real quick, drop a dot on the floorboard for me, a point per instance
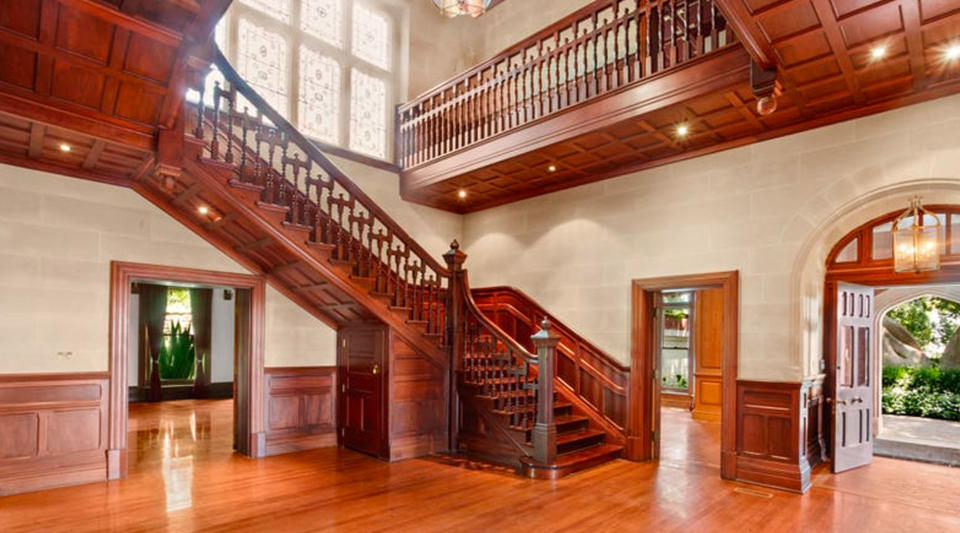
(183, 477)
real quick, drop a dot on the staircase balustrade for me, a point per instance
(268, 154)
(600, 48)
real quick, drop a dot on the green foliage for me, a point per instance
(925, 392)
(676, 312)
(679, 381)
(931, 321)
(177, 355)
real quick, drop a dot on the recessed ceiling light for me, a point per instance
(877, 52)
(64, 147)
(683, 130)
(203, 209)
(953, 52)
(462, 193)
(552, 168)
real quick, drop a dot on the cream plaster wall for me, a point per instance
(57, 238)
(770, 210)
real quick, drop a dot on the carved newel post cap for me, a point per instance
(454, 256)
(546, 333)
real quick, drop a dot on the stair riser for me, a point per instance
(580, 444)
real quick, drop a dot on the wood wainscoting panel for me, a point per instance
(301, 408)
(779, 438)
(417, 402)
(53, 430)
(708, 354)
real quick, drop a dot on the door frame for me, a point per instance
(642, 415)
(249, 395)
(870, 277)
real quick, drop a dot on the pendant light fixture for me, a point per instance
(916, 247)
(453, 8)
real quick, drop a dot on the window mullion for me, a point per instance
(293, 68)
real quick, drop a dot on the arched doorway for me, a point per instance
(864, 257)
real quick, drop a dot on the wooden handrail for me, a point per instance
(602, 47)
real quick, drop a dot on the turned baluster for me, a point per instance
(201, 111)
(215, 141)
(230, 99)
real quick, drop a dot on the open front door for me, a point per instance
(853, 390)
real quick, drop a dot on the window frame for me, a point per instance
(296, 38)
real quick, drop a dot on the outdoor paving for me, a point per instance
(922, 439)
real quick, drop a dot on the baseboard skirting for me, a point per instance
(220, 390)
(774, 474)
(299, 443)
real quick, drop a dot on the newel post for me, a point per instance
(453, 337)
(545, 429)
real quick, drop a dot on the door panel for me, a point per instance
(853, 393)
(708, 354)
(361, 364)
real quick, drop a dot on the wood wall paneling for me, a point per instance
(301, 408)
(779, 432)
(53, 430)
(708, 354)
(418, 402)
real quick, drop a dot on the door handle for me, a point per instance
(376, 369)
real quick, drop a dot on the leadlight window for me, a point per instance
(319, 96)
(367, 123)
(323, 19)
(262, 61)
(278, 9)
(326, 65)
(371, 36)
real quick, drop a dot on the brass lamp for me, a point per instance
(916, 248)
(453, 8)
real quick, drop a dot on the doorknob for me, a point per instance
(376, 369)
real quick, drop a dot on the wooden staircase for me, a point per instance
(267, 196)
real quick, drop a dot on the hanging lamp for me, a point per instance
(453, 8)
(916, 248)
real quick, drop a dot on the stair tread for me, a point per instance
(585, 454)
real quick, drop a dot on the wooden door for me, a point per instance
(362, 416)
(853, 390)
(707, 367)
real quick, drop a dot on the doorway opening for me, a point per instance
(186, 368)
(890, 382)
(690, 374)
(918, 360)
(685, 347)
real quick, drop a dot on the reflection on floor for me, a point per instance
(688, 443)
(921, 439)
(333, 489)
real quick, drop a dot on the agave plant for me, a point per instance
(178, 356)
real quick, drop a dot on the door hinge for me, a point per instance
(343, 387)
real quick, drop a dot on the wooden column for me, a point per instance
(545, 429)
(453, 337)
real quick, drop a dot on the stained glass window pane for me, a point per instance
(371, 33)
(262, 62)
(368, 111)
(323, 19)
(278, 9)
(319, 96)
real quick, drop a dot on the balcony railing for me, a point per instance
(599, 49)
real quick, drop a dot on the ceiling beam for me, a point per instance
(834, 35)
(93, 155)
(910, 11)
(37, 133)
(126, 20)
(748, 31)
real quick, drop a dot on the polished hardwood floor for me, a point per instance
(183, 477)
